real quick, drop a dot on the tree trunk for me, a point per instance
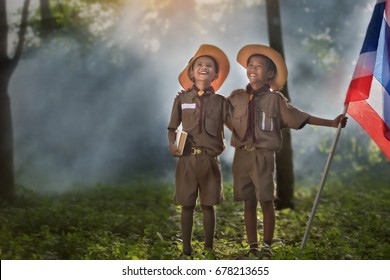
(47, 20)
(284, 158)
(7, 183)
(7, 67)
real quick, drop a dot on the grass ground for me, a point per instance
(139, 221)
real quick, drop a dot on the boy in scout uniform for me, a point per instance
(201, 112)
(256, 116)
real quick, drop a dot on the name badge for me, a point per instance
(188, 106)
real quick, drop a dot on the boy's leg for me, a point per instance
(208, 226)
(250, 218)
(268, 221)
(187, 217)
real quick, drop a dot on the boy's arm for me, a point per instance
(327, 122)
(171, 142)
(227, 115)
(173, 125)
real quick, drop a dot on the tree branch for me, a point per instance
(21, 35)
(3, 30)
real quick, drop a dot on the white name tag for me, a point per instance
(188, 106)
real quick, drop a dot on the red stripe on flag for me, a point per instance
(372, 123)
(359, 89)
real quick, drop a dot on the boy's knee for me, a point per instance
(267, 204)
(188, 208)
(207, 208)
(251, 203)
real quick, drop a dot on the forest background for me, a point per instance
(90, 105)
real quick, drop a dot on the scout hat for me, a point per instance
(281, 69)
(218, 55)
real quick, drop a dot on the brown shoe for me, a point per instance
(266, 252)
(254, 253)
(186, 255)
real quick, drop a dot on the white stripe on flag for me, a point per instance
(379, 100)
(365, 65)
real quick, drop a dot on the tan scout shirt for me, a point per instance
(272, 112)
(202, 117)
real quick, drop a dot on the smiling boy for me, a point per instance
(201, 112)
(256, 116)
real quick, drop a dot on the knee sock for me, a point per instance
(208, 226)
(268, 221)
(187, 217)
(250, 217)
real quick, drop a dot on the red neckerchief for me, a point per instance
(250, 130)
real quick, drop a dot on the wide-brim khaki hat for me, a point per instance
(281, 69)
(219, 56)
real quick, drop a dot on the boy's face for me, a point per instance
(257, 71)
(203, 69)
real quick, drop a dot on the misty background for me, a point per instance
(92, 105)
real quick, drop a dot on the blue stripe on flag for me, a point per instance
(371, 40)
(386, 109)
(382, 67)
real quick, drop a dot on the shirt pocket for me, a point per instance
(189, 116)
(213, 124)
(265, 121)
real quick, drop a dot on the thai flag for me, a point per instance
(368, 96)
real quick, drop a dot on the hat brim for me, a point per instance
(219, 56)
(281, 69)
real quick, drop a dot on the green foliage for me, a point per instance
(356, 153)
(140, 221)
(323, 46)
(100, 223)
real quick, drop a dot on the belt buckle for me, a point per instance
(196, 151)
(248, 148)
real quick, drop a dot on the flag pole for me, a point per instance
(324, 175)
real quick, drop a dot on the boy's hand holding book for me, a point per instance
(181, 138)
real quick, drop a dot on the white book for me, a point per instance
(181, 137)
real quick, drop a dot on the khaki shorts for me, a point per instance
(198, 174)
(253, 174)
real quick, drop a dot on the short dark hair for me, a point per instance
(270, 64)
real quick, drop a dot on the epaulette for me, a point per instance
(281, 95)
(220, 95)
(183, 91)
(236, 91)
